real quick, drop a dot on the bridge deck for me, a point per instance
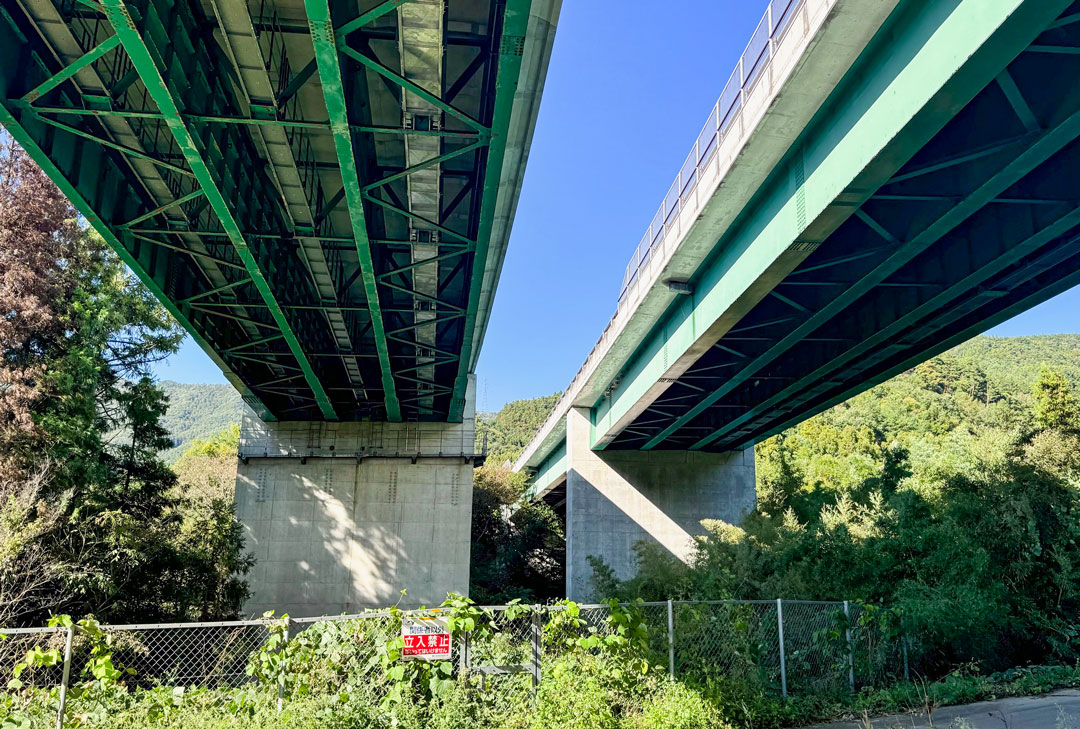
(318, 191)
(931, 197)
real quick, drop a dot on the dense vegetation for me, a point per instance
(597, 674)
(517, 546)
(508, 431)
(950, 495)
(92, 521)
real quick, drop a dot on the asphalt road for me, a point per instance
(1057, 710)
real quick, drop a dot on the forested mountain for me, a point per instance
(506, 432)
(197, 411)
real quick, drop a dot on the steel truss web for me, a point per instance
(309, 185)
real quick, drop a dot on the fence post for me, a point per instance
(851, 650)
(537, 646)
(780, 631)
(903, 644)
(284, 666)
(463, 656)
(671, 639)
(65, 677)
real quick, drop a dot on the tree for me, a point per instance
(81, 430)
(518, 545)
(1055, 406)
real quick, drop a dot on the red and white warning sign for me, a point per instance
(426, 638)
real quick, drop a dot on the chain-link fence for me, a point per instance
(777, 646)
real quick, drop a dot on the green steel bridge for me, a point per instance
(879, 181)
(320, 191)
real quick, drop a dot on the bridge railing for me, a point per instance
(771, 51)
(724, 120)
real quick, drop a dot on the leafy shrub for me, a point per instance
(677, 706)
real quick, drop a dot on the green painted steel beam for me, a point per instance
(420, 219)
(1064, 284)
(297, 82)
(1044, 147)
(113, 145)
(430, 162)
(550, 472)
(215, 290)
(515, 23)
(162, 208)
(14, 127)
(423, 261)
(367, 18)
(197, 254)
(143, 60)
(420, 90)
(72, 68)
(333, 86)
(937, 61)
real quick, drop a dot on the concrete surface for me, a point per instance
(615, 499)
(343, 516)
(1056, 710)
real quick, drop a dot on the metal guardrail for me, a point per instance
(752, 63)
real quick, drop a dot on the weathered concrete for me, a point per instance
(615, 499)
(342, 516)
(1059, 709)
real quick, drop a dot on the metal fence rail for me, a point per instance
(780, 646)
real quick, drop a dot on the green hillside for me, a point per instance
(198, 411)
(505, 433)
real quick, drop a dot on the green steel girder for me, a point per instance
(197, 254)
(1039, 294)
(214, 214)
(515, 22)
(254, 121)
(420, 91)
(71, 69)
(430, 162)
(877, 140)
(118, 147)
(367, 18)
(61, 158)
(142, 59)
(1048, 143)
(420, 219)
(329, 62)
(162, 208)
(1039, 151)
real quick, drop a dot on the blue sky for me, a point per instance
(627, 92)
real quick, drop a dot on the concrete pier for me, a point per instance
(343, 516)
(615, 499)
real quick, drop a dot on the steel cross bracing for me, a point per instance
(308, 186)
(981, 223)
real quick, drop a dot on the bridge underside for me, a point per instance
(975, 225)
(315, 188)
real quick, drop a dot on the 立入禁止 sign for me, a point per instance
(426, 638)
